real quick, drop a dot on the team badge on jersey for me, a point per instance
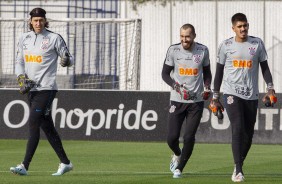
(252, 51)
(44, 44)
(172, 109)
(197, 58)
(230, 100)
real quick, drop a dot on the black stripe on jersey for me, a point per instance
(62, 39)
(200, 44)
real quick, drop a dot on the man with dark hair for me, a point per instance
(237, 69)
(187, 70)
(36, 68)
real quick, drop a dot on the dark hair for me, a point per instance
(38, 12)
(187, 26)
(238, 17)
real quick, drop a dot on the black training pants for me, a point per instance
(40, 117)
(177, 114)
(242, 115)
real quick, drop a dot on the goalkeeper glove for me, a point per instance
(270, 98)
(216, 107)
(25, 84)
(182, 90)
(65, 60)
(207, 92)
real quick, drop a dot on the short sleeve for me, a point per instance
(221, 56)
(262, 54)
(169, 57)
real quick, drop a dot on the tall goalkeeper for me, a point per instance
(36, 68)
(237, 69)
(187, 70)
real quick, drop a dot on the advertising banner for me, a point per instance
(125, 116)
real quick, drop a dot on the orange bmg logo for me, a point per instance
(188, 71)
(242, 63)
(33, 58)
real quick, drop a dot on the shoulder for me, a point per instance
(26, 37)
(174, 48)
(255, 40)
(225, 44)
(228, 42)
(54, 35)
(27, 34)
(200, 47)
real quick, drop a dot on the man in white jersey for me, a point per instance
(187, 70)
(237, 69)
(36, 68)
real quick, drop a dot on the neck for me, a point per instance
(237, 39)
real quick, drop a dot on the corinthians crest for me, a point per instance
(197, 58)
(252, 51)
(230, 100)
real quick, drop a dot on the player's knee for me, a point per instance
(189, 139)
(172, 139)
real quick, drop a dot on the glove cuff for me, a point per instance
(270, 86)
(207, 88)
(216, 94)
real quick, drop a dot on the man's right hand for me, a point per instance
(25, 84)
(181, 90)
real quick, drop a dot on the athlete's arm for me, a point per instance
(63, 51)
(20, 65)
(207, 75)
(218, 77)
(166, 74)
(266, 72)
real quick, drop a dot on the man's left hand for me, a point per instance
(65, 60)
(270, 98)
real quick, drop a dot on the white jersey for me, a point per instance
(37, 57)
(188, 70)
(241, 68)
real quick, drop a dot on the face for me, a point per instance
(241, 30)
(38, 24)
(187, 38)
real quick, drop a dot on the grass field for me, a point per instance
(138, 163)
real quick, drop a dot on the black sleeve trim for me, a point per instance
(207, 75)
(218, 76)
(266, 72)
(166, 74)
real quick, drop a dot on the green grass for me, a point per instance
(138, 163)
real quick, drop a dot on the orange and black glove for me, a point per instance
(216, 107)
(269, 98)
